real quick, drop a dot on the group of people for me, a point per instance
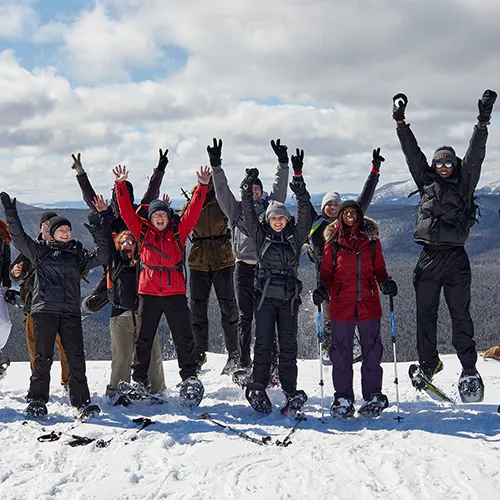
(249, 251)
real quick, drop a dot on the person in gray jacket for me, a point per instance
(243, 246)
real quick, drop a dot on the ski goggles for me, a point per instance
(445, 164)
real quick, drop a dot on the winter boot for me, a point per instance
(201, 359)
(231, 363)
(4, 364)
(259, 400)
(294, 403)
(88, 411)
(191, 392)
(242, 376)
(429, 372)
(374, 406)
(342, 408)
(36, 408)
(470, 386)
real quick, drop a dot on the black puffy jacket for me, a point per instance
(4, 263)
(58, 267)
(445, 212)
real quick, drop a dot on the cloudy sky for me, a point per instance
(118, 79)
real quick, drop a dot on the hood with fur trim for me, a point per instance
(371, 229)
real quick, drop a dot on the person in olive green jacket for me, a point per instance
(211, 262)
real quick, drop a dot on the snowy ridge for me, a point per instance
(436, 451)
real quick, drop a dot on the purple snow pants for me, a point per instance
(341, 357)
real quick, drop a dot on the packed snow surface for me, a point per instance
(436, 451)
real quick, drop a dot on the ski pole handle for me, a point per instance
(391, 303)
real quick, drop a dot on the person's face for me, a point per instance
(129, 245)
(349, 216)
(159, 220)
(444, 168)
(277, 223)
(331, 209)
(256, 192)
(45, 230)
(62, 234)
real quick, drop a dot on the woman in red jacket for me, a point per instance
(352, 266)
(162, 283)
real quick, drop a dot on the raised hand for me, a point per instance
(163, 161)
(99, 203)
(298, 162)
(251, 176)
(280, 150)
(7, 202)
(378, 159)
(166, 200)
(204, 175)
(485, 105)
(121, 173)
(17, 269)
(399, 102)
(215, 153)
(77, 164)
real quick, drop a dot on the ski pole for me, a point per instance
(321, 381)
(393, 336)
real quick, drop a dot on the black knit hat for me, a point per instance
(350, 204)
(56, 222)
(444, 153)
(158, 206)
(258, 182)
(47, 216)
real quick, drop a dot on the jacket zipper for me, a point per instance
(358, 280)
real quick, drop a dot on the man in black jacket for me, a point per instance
(446, 213)
(55, 308)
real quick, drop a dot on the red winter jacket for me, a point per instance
(351, 291)
(160, 282)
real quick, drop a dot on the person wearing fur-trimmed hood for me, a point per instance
(352, 267)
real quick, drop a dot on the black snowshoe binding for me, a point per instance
(242, 377)
(138, 392)
(36, 409)
(294, 403)
(259, 400)
(422, 381)
(375, 406)
(120, 400)
(87, 412)
(470, 386)
(342, 408)
(191, 392)
(4, 364)
(231, 363)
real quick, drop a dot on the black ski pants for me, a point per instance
(200, 284)
(448, 269)
(47, 326)
(176, 310)
(276, 313)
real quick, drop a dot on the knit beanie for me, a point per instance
(444, 153)
(56, 222)
(333, 197)
(277, 209)
(258, 182)
(47, 216)
(157, 206)
(350, 204)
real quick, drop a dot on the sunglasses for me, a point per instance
(446, 164)
(127, 242)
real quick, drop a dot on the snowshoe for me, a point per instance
(420, 381)
(295, 401)
(4, 364)
(259, 400)
(87, 412)
(36, 409)
(191, 392)
(342, 408)
(470, 386)
(374, 407)
(119, 400)
(138, 392)
(242, 377)
(231, 363)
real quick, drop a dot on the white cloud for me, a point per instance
(16, 19)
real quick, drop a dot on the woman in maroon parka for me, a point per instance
(352, 267)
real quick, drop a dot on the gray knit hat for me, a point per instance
(333, 196)
(444, 153)
(277, 209)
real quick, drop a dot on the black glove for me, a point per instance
(215, 152)
(250, 178)
(163, 161)
(7, 202)
(389, 287)
(377, 159)
(298, 186)
(320, 295)
(298, 162)
(399, 102)
(10, 296)
(485, 105)
(280, 151)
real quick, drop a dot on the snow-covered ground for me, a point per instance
(437, 451)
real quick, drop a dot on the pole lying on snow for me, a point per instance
(398, 417)
(320, 342)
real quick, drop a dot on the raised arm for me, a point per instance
(127, 212)
(280, 183)
(250, 217)
(371, 182)
(153, 189)
(101, 206)
(99, 256)
(5, 271)
(88, 192)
